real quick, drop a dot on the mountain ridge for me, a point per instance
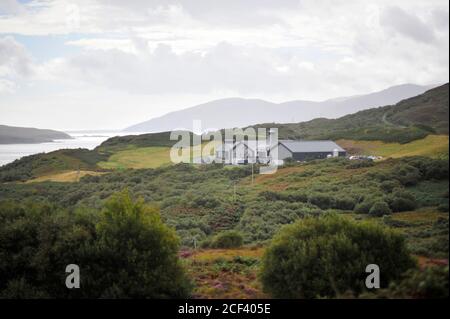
(405, 121)
(221, 113)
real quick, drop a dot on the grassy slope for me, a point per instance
(144, 157)
(64, 177)
(432, 146)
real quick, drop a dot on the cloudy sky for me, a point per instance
(102, 64)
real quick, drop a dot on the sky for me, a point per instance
(109, 64)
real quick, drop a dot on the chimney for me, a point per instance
(271, 141)
(228, 148)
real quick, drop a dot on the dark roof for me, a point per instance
(310, 146)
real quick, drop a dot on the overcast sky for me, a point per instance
(99, 64)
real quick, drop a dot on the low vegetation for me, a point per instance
(124, 251)
(324, 257)
(202, 230)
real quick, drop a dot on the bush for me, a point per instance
(227, 239)
(360, 164)
(430, 168)
(123, 252)
(406, 174)
(389, 185)
(430, 283)
(323, 257)
(401, 204)
(443, 207)
(323, 201)
(380, 209)
(344, 203)
(365, 206)
(402, 201)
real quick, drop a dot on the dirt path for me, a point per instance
(385, 121)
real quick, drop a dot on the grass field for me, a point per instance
(145, 157)
(64, 177)
(431, 146)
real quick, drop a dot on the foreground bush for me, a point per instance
(227, 239)
(324, 257)
(124, 251)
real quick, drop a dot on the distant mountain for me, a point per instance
(25, 135)
(408, 120)
(239, 112)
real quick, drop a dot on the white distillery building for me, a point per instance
(254, 151)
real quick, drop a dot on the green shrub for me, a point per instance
(365, 206)
(269, 195)
(406, 174)
(401, 201)
(323, 201)
(227, 239)
(443, 207)
(389, 185)
(380, 209)
(360, 164)
(430, 283)
(344, 203)
(323, 257)
(430, 168)
(401, 204)
(125, 251)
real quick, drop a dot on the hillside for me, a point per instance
(408, 120)
(416, 126)
(238, 112)
(25, 135)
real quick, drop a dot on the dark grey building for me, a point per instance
(308, 150)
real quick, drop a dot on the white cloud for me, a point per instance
(166, 50)
(407, 24)
(14, 58)
(125, 45)
(15, 64)
(7, 87)
(8, 7)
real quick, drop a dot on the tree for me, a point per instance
(138, 252)
(327, 256)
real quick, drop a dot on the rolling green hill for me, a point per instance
(37, 165)
(144, 140)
